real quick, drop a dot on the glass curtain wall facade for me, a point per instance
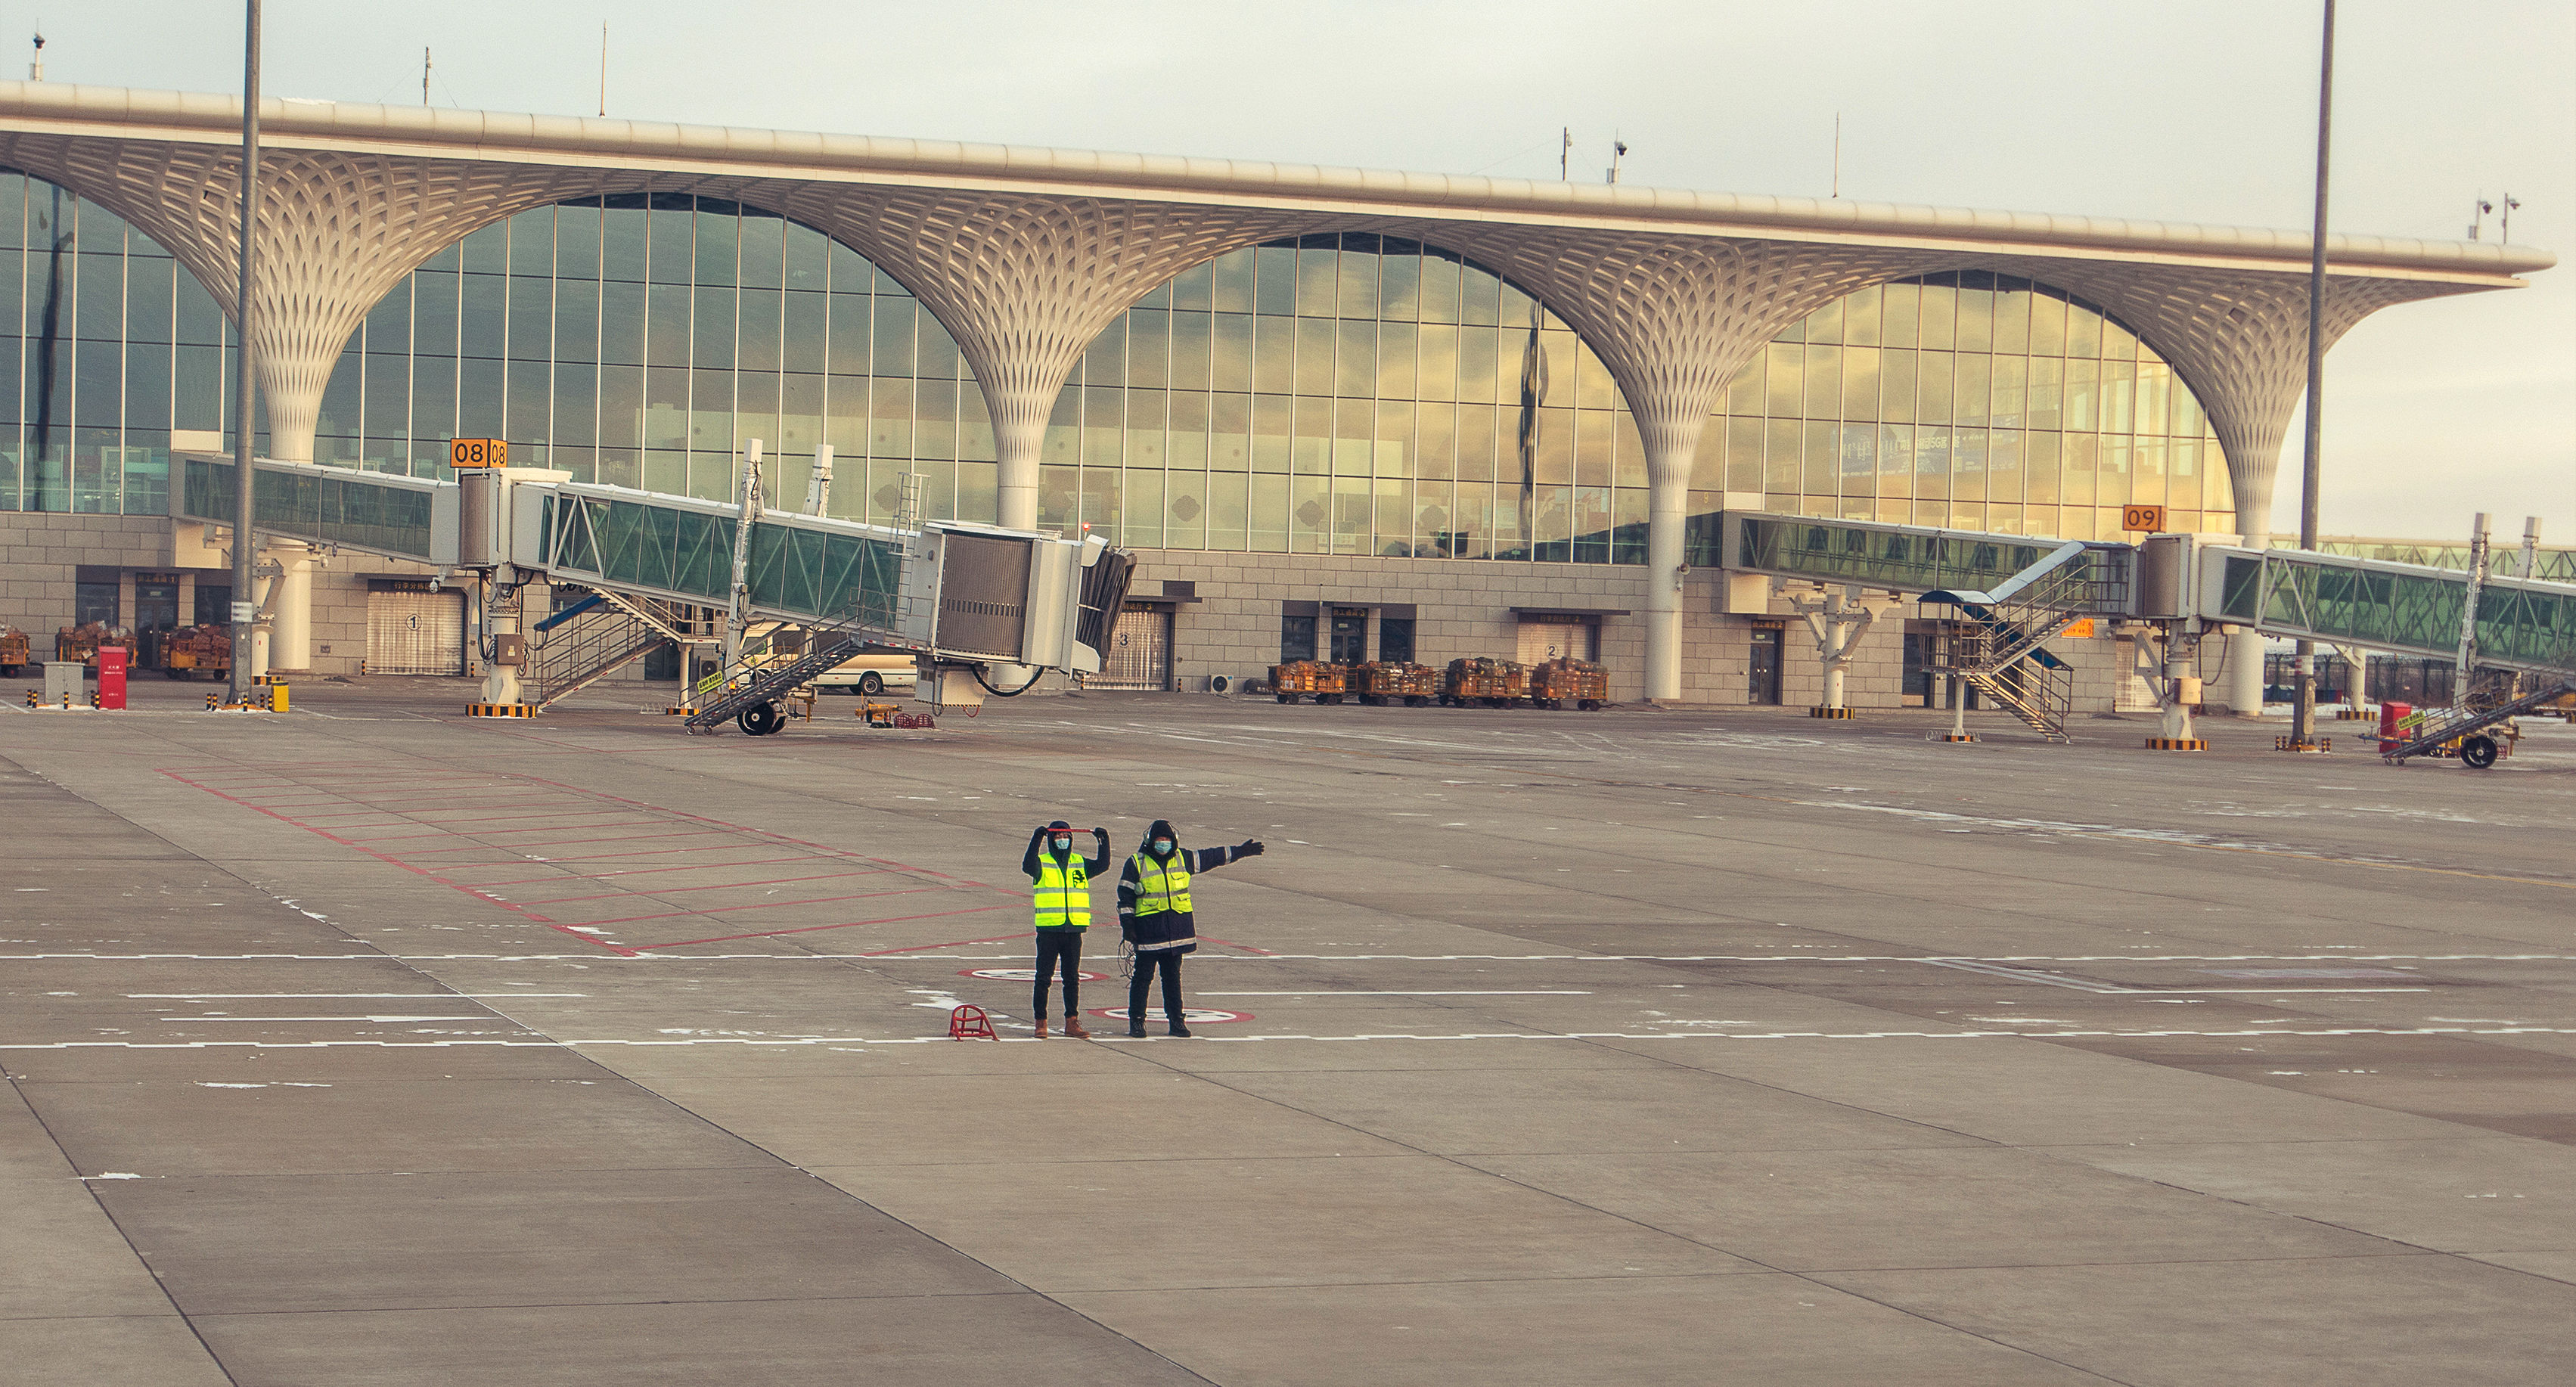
(1343, 394)
(1965, 401)
(1347, 394)
(642, 340)
(106, 344)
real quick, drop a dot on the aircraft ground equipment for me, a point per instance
(1479, 680)
(1324, 683)
(1381, 682)
(1555, 683)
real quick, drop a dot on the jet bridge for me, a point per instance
(976, 602)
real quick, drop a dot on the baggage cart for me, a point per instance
(1297, 679)
(13, 651)
(1492, 683)
(1555, 683)
(1381, 682)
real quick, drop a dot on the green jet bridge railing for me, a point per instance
(802, 568)
(377, 512)
(2401, 608)
(1909, 558)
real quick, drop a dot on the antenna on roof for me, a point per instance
(36, 69)
(1565, 156)
(603, 69)
(2505, 232)
(1618, 151)
(2478, 211)
(424, 75)
(1838, 154)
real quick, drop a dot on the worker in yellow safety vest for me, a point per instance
(1155, 913)
(1062, 905)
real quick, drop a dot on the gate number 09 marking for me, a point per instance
(478, 452)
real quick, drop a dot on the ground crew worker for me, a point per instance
(1063, 906)
(1154, 913)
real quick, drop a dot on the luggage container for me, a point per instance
(1381, 682)
(194, 650)
(1307, 678)
(13, 652)
(1555, 683)
(1493, 683)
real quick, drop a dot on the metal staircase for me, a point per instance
(599, 635)
(2003, 652)
(2440, 727)
(749, 690)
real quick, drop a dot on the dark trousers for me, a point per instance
(1168, 963)
(1059, 949)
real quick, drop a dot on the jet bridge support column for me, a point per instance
(1838, 618)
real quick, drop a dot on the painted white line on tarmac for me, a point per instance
(604, 959)
(1338, 992)
(799, 1042)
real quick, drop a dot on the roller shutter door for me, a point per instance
(415, 631)
(1140, 651)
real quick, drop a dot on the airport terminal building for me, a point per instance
(1338, 414)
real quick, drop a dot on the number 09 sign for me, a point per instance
(477, 452)
(2148, 518)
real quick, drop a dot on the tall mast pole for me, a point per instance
(2303, 729)
(245, 554)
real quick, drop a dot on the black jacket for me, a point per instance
(1092, 866)
(1167, 931)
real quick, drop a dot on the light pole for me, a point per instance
(2303, 724)
(245, 555)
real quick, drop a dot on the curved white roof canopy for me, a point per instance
(1027, 254)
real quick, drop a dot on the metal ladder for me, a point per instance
(2003, 652)
(766, 677)
(2452, 724)
(599, 635)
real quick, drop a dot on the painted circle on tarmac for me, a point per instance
(1196, 1016)
(1020, 974)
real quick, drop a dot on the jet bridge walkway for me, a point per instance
(963, 595)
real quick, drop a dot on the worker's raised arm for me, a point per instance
(1209, 859)
(1029, 863)
(1098, 862)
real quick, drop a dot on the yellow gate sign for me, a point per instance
(477, 452)
(2148, 518)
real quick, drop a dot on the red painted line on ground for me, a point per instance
(519, 910)
(763, 833)
(574, 843)
(477, 831)
(720, 886)
(769, 905)
(951, 944)
(846, 924)
(648, 852)
(640, 871)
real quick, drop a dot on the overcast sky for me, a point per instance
(2180, 110)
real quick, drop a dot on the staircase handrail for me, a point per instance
(2013, 586)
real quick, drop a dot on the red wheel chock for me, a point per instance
(969, 1022)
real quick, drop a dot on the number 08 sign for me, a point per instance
(477, 452)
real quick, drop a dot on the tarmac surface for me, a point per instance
(365, 1044)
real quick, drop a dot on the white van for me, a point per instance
(870, 672)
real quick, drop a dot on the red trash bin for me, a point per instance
(111, 676)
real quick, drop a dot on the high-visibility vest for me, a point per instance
(1160, 887)
(1063, 893)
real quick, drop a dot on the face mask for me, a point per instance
(1162, 847)
(1063, 844)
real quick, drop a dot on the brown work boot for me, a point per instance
(1073, 1028)
(1041, 1028)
